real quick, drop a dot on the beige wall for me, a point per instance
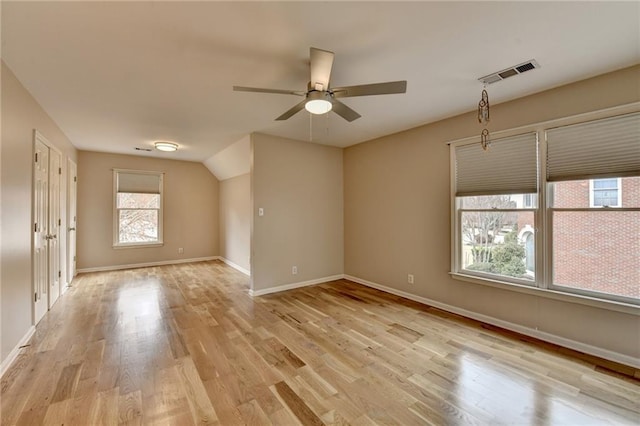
(397, 216)
(235, 220)
(190, 211)
(300, 187)
(21, 114)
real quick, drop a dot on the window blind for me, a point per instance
(141, 183)
(509, 166)
(603, 148)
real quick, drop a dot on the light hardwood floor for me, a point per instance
(186, 344)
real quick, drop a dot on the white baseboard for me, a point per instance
(527, 331)
(235, 266)
(291, 286)
(6, 363)
(147, 264)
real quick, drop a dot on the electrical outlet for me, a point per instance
(180, 250)
(294, 270)
(410, 278)
(260, 211)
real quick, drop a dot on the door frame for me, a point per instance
(55, 222)
(39, 304)
(72, 220)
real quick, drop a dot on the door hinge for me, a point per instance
(35, 297)
(75, 178)
(59, 222)
(59, 274)
(35, 227)
(59, 170)
(36, 157)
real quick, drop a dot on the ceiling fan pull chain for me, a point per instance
(327, 123)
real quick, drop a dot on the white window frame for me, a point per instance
(116, 216)
(543, 219)
(592, 193)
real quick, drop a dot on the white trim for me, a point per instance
(292, 286)
(565, 296)
(147, 264)
(235, 266)
(6, 363)
(527, 331)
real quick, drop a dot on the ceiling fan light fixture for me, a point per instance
(166, 146)
(318, 102)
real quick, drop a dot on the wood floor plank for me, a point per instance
(297, 406)
(201, 408)
(186, 344)
(67, 383)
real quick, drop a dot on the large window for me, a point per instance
(495, 200)
(589, 198)
(137, 208)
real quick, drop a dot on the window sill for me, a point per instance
(137, 245)
(551, 294)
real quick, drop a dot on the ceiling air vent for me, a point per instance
(509, 72)
(142, 149)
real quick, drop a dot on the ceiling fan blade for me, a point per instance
(259, 90)
(321, 64)
(344, 111)
(387, 88)
(290, 113)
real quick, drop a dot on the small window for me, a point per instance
(605, 192)
(137, 208)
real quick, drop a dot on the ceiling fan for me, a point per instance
(320, 98)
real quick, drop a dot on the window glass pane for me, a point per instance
(131, 200)
(597, 250)
(602, 198)
(138, 226)
(605, 183)
(500, 243)
(507, 201)
(578, 193)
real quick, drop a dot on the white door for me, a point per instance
(55, 224)
(40, 230)
(72, 222)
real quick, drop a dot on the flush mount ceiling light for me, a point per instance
(318, 102)
(166, 146)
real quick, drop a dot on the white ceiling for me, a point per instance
(118, 75)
